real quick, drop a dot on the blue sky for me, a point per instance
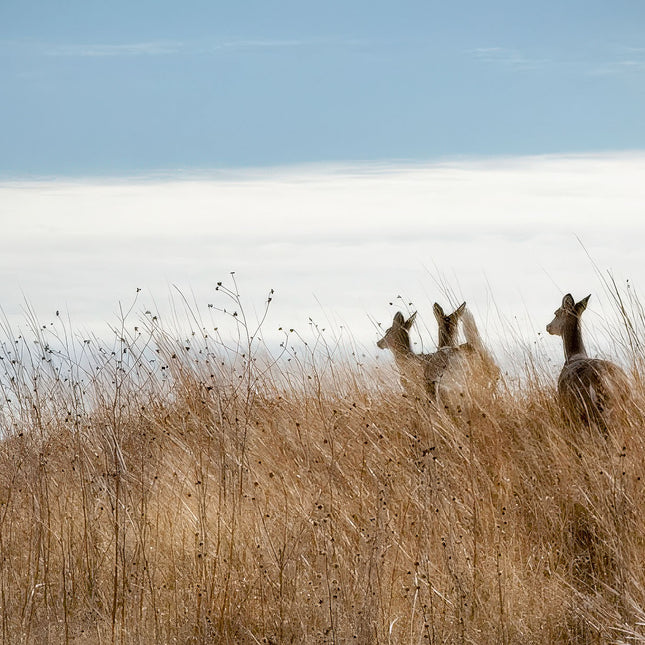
(98, 88)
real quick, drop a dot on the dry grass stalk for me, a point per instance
(171, 491)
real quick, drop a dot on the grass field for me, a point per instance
(157, 489)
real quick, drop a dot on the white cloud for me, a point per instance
(260, 44)
(511, 58)
(502, 231)
(269, 43)
(161, 48)
(619, 67)
(126, 49)
(616, 61)
(621, 61)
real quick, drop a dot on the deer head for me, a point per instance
(567, 316)
(448, 324)
(397, 337)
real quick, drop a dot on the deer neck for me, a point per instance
(574, 348)
(446, 339)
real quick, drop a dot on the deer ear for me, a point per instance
(398, 318)
(460, 309)
(438, 311)
(582, 305)
(409, 322)
(568, 302)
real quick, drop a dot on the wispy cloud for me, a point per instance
(510, 58)
(627, 60)
(614, 61)
(248, 44)
(261, 44)
(153, 48)
(160, 48)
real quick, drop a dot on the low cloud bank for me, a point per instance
(338, 244)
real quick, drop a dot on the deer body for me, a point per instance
(411, 366)
(588, 388)
(447, 371)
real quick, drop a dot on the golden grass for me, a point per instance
(169, 491)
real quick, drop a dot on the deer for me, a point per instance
(410, 365)
(588, 388)
(435, 375)
(470, 365)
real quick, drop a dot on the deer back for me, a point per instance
(590, 388)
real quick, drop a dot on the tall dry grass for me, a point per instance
(168, 490)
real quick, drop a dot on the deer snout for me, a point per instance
(551, 329)
(381, 343)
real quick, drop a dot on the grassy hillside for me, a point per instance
(163, 490)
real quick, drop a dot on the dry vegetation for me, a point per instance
(173, 491)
